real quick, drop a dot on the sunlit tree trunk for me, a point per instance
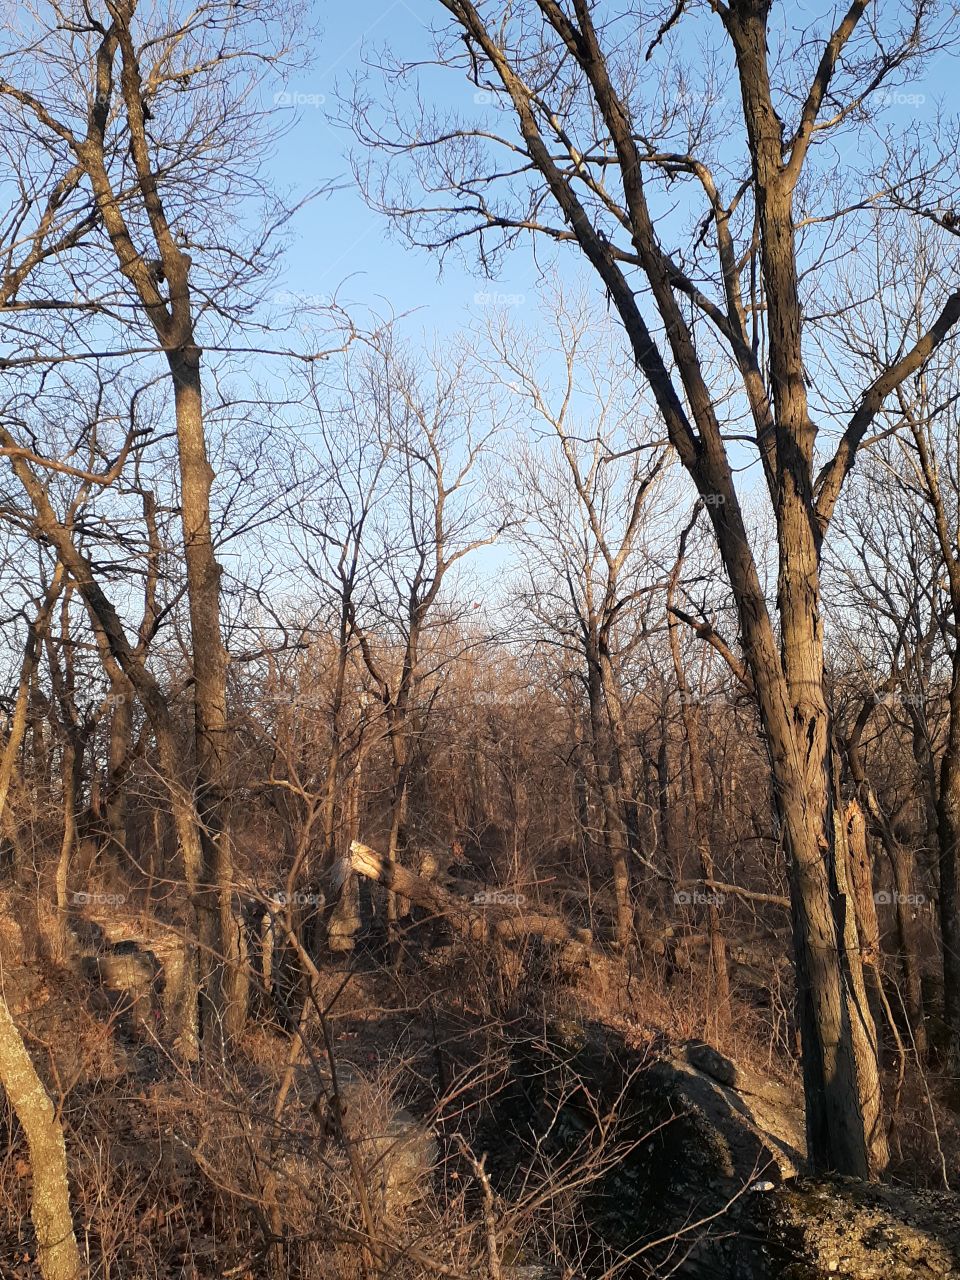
(57, 1253)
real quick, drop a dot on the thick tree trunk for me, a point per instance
(223, 1010)
(948, 820)
(58, 1256)
(841, 1073)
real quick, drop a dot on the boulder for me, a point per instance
(696, 1135)
(128, 970)
(754, 1124)
(397, 1151)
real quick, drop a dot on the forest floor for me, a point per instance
(611, 1147)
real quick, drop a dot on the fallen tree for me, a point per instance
(471, 919)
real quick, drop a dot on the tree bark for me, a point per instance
(223, 1007)
(900, 860)
(948, 820)
(58, 1256)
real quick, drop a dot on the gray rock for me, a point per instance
(815, 1229)
(756, 1123)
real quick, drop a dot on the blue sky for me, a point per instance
(338, 243)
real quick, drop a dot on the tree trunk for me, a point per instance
(223, 1013)
(948, 823)
(118, 760)
(900, 860)
(623, 756)
(614, 826)
(841, 1072)
(72, 771)
(861, 877)
(58, 1256)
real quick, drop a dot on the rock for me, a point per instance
(813, 1229)
(402, 1158)
(127, 969)
(397, 1151)
(692, 1144)
(714, 1151)
(710, 1061)
(756, 1123)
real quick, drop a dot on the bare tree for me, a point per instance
(580, 511)
(140, 158)
(433, 428)
(58, 1253)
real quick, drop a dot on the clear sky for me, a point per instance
(338, 242)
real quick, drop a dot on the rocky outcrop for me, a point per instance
(752, 1123)
(707, 1179)
(818, 1230)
